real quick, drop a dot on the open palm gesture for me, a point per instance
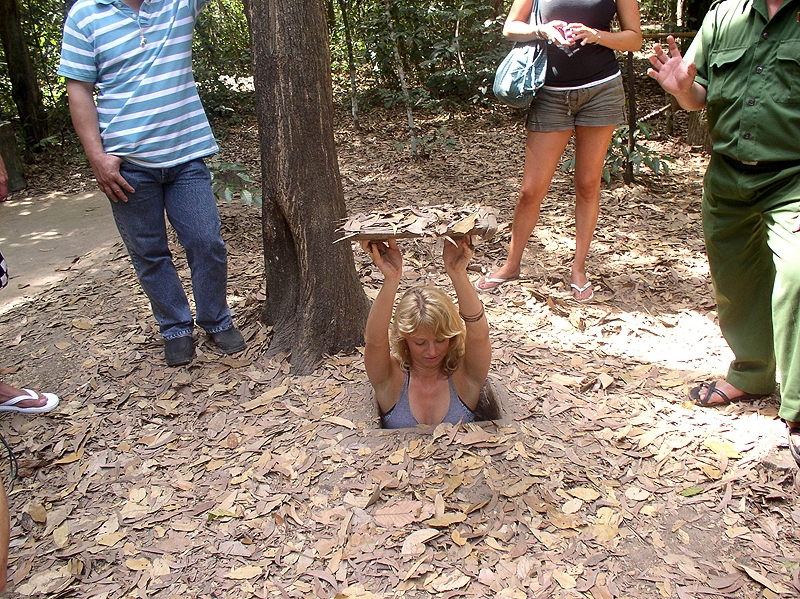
(669, 68)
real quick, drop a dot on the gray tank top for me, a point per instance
(400, 415)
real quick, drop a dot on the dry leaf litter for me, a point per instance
(234, 478)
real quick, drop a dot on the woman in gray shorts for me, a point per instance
(583, 94)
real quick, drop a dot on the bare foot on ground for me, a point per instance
(8, 392)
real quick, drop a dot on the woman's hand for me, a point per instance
(456, 256)
(578, 33)
(386, 256)
(556, 32)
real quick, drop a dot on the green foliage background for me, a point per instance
(42, 21)
(449, 49)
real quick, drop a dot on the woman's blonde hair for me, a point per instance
(428, 307)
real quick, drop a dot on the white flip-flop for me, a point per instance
(581, 290)
(11, 404)
(496, 281)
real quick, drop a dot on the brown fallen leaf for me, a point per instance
(244, 573)
(414, 544)
(446, 520)
(137, 564)
(775, 587)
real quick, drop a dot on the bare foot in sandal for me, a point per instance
(582, 290)
(720, 393)
(493, 280)
(25, 400)
(582, 293)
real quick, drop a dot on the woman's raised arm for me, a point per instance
(382, 369)
(477, 346)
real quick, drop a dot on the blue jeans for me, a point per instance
(184, 193)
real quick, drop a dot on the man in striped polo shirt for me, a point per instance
(146, 134)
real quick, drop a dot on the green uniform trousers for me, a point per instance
(750, 219)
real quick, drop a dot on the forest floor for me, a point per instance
(232, 477)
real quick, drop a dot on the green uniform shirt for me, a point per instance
(750, 67)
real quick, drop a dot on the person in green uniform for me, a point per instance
(744, 67)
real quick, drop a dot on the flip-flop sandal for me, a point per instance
(794, 449)
(579, 290)
(706, 402)
(11, 404)
(495, 282)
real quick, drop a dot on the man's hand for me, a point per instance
(111, 182)
(673, 73)
(677, 76)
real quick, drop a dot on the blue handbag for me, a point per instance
(522, 72)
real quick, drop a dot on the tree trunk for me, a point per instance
(401, 73)
(315, 302)
(330, 14)
(628, 176)
(10, 154)
(697, 130)
(498, 8)
(694, 11)
(351, 62)
(24, 87)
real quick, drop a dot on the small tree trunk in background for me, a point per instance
(628, 176)
(330, 14)
(10, 154)
(351, 62)
(315, 302)
(24, 87)
(669, 124)
(497, 8)
(692, 17)
(697, 132)
(403, 86)
(693, 13)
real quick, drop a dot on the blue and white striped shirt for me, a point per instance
(141, 64)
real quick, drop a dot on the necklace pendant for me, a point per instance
(142, 41)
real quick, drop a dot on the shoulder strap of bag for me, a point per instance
(536, 17)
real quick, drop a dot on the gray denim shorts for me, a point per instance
(561, 110)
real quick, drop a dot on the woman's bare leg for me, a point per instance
(542, 154)
(591, 145)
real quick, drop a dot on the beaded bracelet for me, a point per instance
(475, 318)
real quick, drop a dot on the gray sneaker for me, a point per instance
(229, 341)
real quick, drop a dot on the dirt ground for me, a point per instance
(234, 478)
